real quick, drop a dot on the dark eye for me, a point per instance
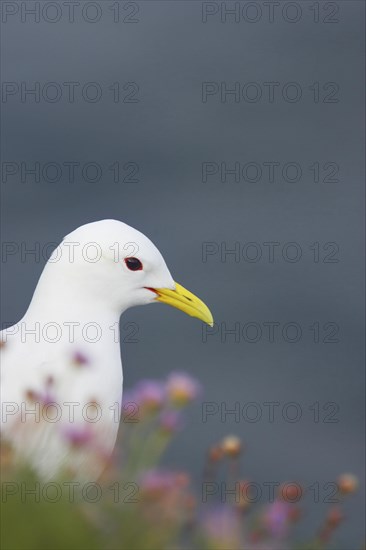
(133, 264)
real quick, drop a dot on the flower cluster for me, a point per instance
(163, 401)
(150, 506)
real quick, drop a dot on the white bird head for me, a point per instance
(112, 264)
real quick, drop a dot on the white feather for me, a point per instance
(76, 300)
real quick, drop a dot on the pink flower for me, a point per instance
(182, 388)
(148, 395)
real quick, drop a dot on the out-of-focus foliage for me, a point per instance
(137, 505)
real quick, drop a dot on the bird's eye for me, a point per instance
(133, 264)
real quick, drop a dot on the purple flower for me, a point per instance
(79, 359)
(158, 482)
(129, 396)
(78, 436)
(276, 518)
(148, 394)
(181, 388)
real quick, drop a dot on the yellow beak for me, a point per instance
(185, 301)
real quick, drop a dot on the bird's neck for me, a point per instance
(62, 299)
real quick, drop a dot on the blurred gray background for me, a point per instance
(168, 50)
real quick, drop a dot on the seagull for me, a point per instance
(61, 370)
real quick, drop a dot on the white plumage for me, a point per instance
(61, 370)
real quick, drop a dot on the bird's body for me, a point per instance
(54, 386)
(61, 370)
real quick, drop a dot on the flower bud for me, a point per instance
(79, 359)
(231, 446)
(347, 484)
(181, 389)
(290, 492)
